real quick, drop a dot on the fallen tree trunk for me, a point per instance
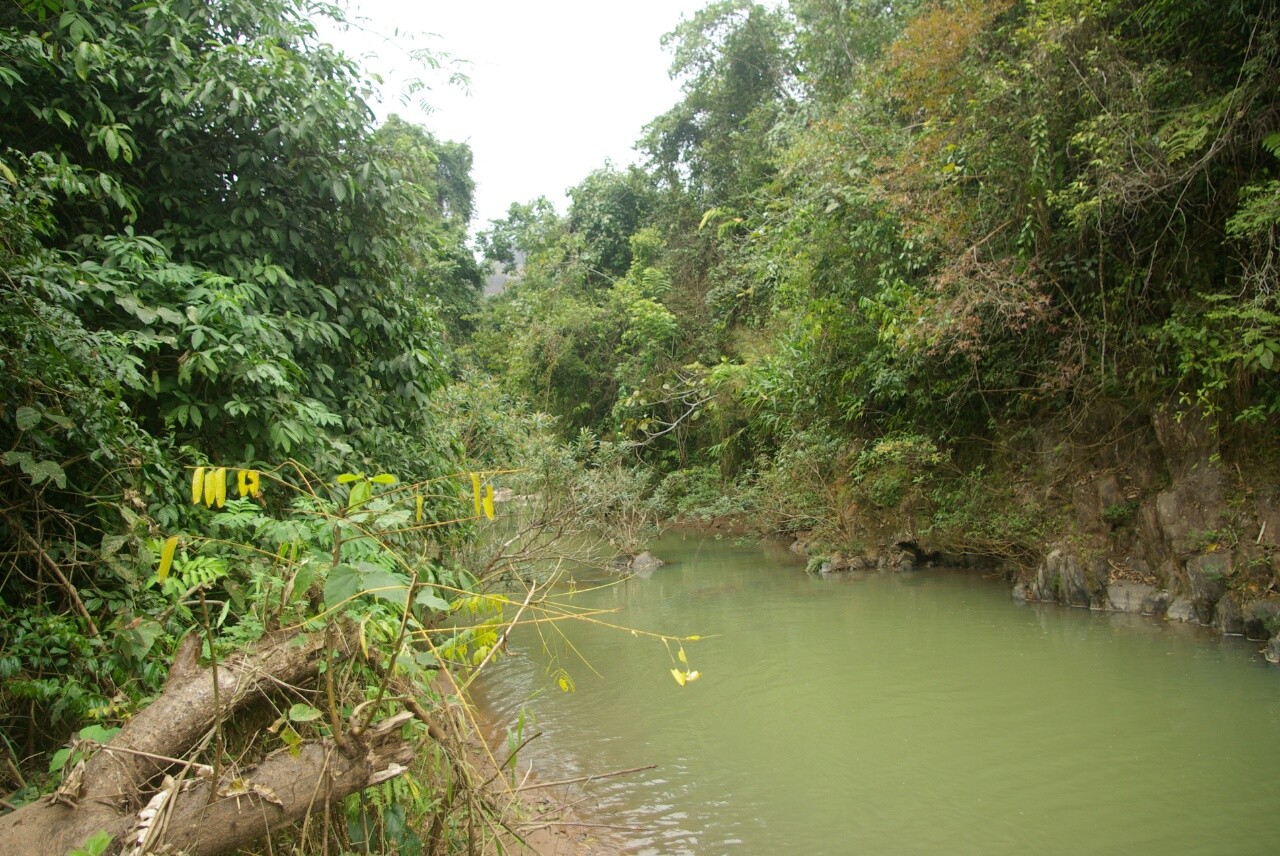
(132, 790)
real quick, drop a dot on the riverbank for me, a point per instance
(551, 819)
(1152, 514)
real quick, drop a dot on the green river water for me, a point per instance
(924, 712)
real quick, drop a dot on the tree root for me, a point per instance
(144, 801)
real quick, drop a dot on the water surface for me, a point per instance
(917, 713)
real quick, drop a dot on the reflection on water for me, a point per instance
(918, 713)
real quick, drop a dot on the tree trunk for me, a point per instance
(119, 785)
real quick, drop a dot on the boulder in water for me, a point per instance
(646, 563)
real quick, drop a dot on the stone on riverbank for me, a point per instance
(1182, 609)
(1261, 619)
(1207, 578)
(1228, 617)
(1066, 577)
(1272, 651)
(1127, 596)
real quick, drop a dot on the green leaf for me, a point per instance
(48, 470)
(304, 713)
(348, 478)
(383, 478)
(27, 418)
(141, 639)
(1271, 142)
(387, 586)
(302, 581)
(59, 760)
(112, 143)
(360, 493)
(343, 583)
(112, 544)
(431, 600)
(94, 845)
(98, 733)
(39, 471)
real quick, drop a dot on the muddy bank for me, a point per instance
(550, 819)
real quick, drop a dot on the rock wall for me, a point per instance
(1152, 521)
(1162, 526)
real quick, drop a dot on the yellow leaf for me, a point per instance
(475, 491)
(210, 487)
(293, 740)
(166, 557)
(197, 486)
(249, 483)
(488, 501)
(692, 638)
(682, 657)
(414, 790)
(679, 676)
(693, 676)
(417, 516)
(220, 486)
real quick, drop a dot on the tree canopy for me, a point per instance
(937, 220)
(210, 254)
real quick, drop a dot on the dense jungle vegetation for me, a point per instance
(252, 394)
(231, 420)
(876, 245)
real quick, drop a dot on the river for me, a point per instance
(924, 712)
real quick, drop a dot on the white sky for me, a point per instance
(557, 87)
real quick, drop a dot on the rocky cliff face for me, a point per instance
(1150, 519)
(1162, 526)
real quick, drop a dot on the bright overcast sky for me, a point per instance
(557, 87)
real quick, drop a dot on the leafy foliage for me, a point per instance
(208, 252)
(930, 220)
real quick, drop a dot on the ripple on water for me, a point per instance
(925, 713)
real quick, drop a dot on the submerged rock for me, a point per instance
(642, 565)
(839, 563)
